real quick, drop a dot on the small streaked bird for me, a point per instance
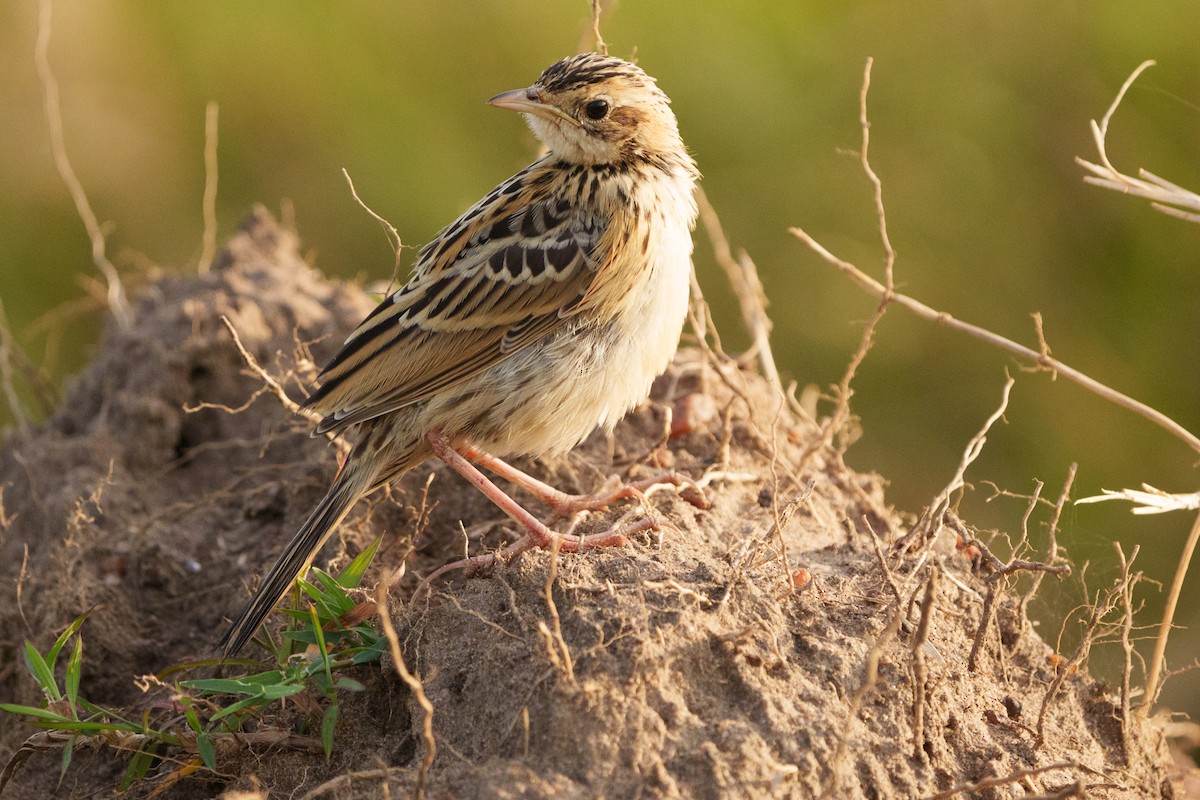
(543, 312)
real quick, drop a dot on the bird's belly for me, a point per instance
(550, 396)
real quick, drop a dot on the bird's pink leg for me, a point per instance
(539, 535)
(563, 504)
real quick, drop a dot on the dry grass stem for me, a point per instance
(1155, 671)
(1041, 360)
(601, 45)
(414, 685)
(556, 645)
(208, 249)
(882, 559)
(991, 783)
(1051, 538)
(118, 304)
(743, 278)
(864, 123)
(1126, 641)
(920, 671)
(934, 516)
(342, 783)
(1164, 196)
(870, 679)
(271, 386)
(752, 548)
(841, 412)
(8, 352)
(393, 235)
(1104, 604)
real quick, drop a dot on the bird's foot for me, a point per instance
(564, 505)
(543, 537)
(537, 533)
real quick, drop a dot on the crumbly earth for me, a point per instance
(693, 663)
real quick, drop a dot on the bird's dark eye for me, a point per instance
(597, 109)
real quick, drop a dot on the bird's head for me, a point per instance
(594, 109)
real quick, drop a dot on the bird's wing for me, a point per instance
(504, 275)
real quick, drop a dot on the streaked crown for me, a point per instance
(590, 108)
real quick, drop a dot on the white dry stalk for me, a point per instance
(1148, 500)
(1164, 196)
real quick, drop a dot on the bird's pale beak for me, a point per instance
(525, 101)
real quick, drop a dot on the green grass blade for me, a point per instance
(321, 646)
(52, 655)
(42, 672)
(193, 721)
(83, 726)
(68, 751)
(328, 723)
(349, 685)
(352, 575)
(280, 691)
(34, 711)
(74, 672)
(208, 753)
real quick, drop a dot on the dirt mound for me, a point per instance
(693, 664)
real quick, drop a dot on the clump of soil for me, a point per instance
(696, 663)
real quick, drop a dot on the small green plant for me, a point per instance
(204, 714)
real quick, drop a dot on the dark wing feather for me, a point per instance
(502, 277)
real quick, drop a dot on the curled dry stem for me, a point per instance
(118, 304)
(1164, 196)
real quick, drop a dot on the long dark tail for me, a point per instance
(356, 479)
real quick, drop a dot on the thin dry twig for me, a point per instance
(414, 684)
(556, 645)
(1126, 641)
(1051, 539)
(1004, 780)
(344, 781)
(864, 124)
(920, 671)
(934, 516)
(841, 413)
(270, 385)
(393, 235)
(208, 249)
(996, 581)
(870, 679)
(8, 351)
(1104, 603)
(1042, 360)
(743, 278)
(118, 304)
(601, 45)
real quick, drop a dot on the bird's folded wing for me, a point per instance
(502, 277)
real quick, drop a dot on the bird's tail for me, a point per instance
(356, 479)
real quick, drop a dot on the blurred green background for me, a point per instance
(978, 110)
